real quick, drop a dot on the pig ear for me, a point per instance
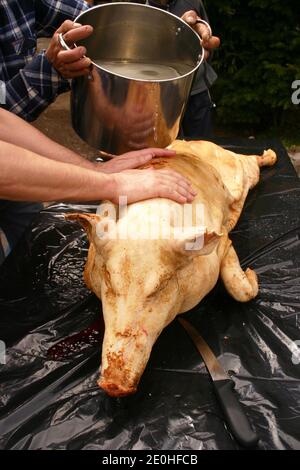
(88, 221)
(199, 244)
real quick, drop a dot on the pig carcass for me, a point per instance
(144, 283)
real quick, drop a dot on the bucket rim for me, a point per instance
(200, 57)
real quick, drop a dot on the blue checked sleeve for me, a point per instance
(35, 86)
(50, 14)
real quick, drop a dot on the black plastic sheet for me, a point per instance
(53, 402)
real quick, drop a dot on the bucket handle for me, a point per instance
(63, 43)
(199, 20)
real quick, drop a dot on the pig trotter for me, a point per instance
(242, 286)
(267, 159)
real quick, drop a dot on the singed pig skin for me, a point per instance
(143, 284)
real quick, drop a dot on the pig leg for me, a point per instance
(267, 159)
(242, 286)
(235, 211)
(251, 164)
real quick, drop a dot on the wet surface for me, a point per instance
(92, 335)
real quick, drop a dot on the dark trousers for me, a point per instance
(197, 119)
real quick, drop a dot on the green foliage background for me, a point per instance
(257, 62)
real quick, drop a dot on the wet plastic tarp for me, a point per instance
(51, 401)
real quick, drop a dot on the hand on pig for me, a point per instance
(131, 160)
(139, 185)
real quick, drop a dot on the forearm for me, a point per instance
(16, 131)
(26, 176)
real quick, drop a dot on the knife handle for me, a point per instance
(234, 413)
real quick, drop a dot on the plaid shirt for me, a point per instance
(29, 82)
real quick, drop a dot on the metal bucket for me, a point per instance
(144, 60)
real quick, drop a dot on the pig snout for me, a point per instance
(124, 358)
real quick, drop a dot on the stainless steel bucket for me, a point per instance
(144, 60)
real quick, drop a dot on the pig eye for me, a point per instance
(160, 285)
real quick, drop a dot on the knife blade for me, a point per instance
(235, 416)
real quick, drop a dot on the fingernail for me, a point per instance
(190, 18)
(77, 24)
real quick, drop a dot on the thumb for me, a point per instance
(190, 17)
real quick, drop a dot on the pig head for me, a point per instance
(143, 285)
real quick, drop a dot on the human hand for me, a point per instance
(139, 185)
(209, 42)
(131, 160)
(71, 63)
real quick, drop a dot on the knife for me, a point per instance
(224, 388)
